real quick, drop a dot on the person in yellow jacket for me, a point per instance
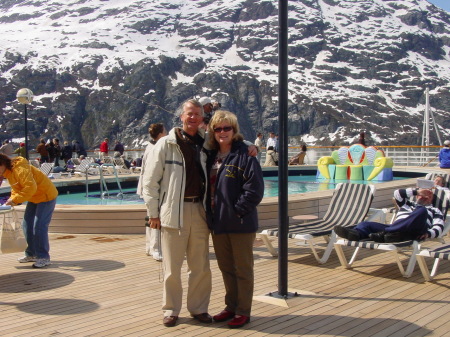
(29, 184)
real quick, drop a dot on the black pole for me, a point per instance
(26, 132)
(282, 147)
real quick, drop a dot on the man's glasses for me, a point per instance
(225, 129)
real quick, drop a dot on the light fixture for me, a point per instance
(25, 96)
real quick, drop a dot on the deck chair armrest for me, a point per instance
(377, 214)
(425, 252)
(446, 227)
(391, 210)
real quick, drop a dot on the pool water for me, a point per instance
(296, 185)
(305, 184)
(79, 198)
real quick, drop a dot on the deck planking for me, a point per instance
(105, 285)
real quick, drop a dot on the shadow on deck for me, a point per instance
(107, 286)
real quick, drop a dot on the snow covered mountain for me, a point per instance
(111, 67)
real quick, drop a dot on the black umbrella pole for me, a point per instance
(283, 147)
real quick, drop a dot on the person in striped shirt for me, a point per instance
(417, 220)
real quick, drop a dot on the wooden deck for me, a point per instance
(106, 286)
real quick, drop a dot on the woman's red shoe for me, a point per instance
(223, 316)
(238, 321)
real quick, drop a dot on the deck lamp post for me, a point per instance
(25, 96)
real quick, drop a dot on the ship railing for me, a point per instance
(408, 155)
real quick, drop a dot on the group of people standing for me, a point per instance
(196, 184)
(118, 149)
(52, 151)
(272, 151)
(271, 148)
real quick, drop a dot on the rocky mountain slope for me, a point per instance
(111, 67)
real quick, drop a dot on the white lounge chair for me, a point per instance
(84, 169)
(46, 168)
(109, 165)
(120, 166)
(440, 200)
(349, 205)
(439, 253)
(108, 160)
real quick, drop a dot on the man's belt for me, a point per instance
(192, 199)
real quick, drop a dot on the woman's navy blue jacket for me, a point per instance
(239, 189)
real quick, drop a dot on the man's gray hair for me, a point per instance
(192, 101)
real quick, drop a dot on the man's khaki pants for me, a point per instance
(191, 241)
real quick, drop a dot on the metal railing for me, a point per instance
(104, 192)
(402, 155)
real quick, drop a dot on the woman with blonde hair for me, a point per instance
(236, 188)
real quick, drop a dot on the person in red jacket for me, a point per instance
(104, 149)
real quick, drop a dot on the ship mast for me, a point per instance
(426, 126)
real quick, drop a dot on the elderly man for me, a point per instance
(173, 188)
(440, 183)
(415, 220)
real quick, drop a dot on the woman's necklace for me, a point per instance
(222, 155)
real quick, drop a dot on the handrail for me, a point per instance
(403, 155)
(87, 178)
(102, 182)
(102, 178)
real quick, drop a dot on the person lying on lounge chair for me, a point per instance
(299, 159)
(415, 221)
(439, 182)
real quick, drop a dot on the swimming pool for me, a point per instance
(296, 185)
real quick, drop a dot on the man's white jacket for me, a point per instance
(165, 181)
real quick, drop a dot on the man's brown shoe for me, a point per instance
(203, 318)
(170, 320)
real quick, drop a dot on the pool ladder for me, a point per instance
(103, 186)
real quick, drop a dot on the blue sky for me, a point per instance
(444, 4)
